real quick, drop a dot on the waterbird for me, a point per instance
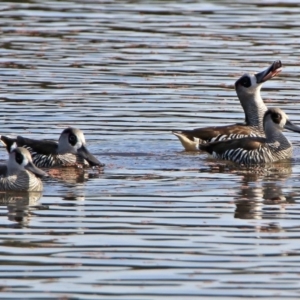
(20, 174)
(257, 150)
(248, 91)
(70, 150)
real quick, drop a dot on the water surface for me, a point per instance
(158, 222)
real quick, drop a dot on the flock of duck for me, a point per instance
(258, 140)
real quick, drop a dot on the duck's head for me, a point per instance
(72, 141)
(277, 118)
(250, 84)
(20, 160)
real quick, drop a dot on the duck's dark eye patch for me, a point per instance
(19, 158)
(276, 117)
(72, 139)
(245, 81)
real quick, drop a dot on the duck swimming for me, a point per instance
(257, 150)
(248, 90)
(70, 150)
(20, 174)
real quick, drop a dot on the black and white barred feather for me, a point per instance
(51, 160)
(263, 154)
(223, 137)
(23, 181)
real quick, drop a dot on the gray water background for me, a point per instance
(157, 223)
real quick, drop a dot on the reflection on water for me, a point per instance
(157, 222)
(258, 191)
(258, 188)
(73, 175)
(20, 205)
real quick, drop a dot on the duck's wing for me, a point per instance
(210, 134)
(214, 133)
(45, 147)
(220, 148)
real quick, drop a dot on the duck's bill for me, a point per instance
(290, 126)
(35, 170)
(89, 157)
(270, 72)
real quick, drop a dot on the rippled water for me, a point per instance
(157, 222)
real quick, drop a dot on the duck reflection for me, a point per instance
(72, 175)
(260, 192)
(260, 195)
(74, 196)
(20, 205)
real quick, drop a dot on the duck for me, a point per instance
(248, 91)
(69, 151)
(20, 174)
(257, 150)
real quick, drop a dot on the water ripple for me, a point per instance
(158, 222)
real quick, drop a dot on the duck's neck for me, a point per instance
(274, 135)
(254, 108)
(11, 170)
